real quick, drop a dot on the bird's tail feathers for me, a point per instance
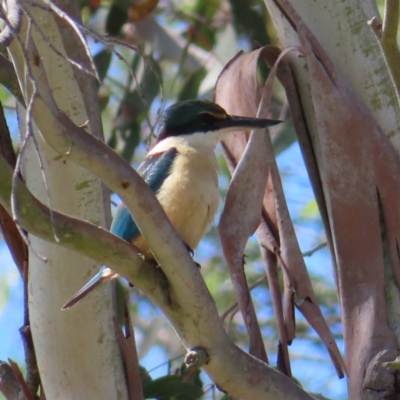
(105, 273)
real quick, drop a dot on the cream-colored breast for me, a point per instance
(190, 195)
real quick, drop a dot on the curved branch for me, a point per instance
(13, 22)
(81, 236)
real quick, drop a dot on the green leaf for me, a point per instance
(192, 84)
(205, 33)
(249, 21)
(310, 210)
(284, 139)
(120, 296)
(171, 386)
(112, 141)
(117, 17)
(4, 94)
(152, 81)
(190, 377)
(4, 291)
(146, 378)
(132, 140)
(102, 61)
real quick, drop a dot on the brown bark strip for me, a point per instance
(15, 243)
(9, 384)
(128, 346)
(242, 210)
(21, 380)
(276, 235)
(32, 370)
(287, 79)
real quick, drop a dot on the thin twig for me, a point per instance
(234, 307)
(376, 25)
(110, 43)
(315, 249)
(49, 6)
(23, 146)
(30, 135)
(167, 362)
(258, 282)
(56, 51)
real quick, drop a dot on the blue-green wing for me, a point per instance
(154, 170)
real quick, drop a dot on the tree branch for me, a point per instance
(81, 236)
(11, 235)
(389, 39)
(13, 22)
(310, 252)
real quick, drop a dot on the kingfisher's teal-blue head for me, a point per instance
(201, 116)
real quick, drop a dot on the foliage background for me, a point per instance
(181, 49)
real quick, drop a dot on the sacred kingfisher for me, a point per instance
(182, 171)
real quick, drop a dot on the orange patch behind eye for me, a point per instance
(216, 115)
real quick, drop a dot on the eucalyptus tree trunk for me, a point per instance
(77, 350)
(357, 167)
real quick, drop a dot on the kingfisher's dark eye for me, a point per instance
(205, 120)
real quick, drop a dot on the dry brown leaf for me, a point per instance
(128, 346)
(243, 206)
(276, 234)
(18, 374)
(296, 278)
(242, 210)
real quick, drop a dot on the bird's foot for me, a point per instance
(190, 250)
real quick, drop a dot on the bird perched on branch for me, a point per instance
(181, 169)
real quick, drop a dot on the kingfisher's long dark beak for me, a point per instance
(233, 121)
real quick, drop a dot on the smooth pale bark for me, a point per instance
(342, 30)
(77, 351)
